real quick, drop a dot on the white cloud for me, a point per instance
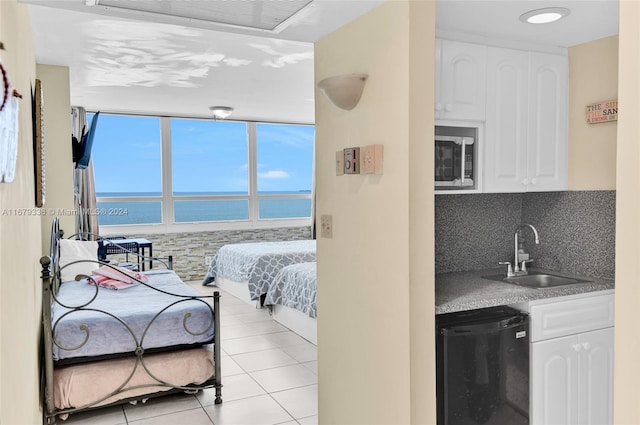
(134, 54)
(281, 59)
(236, 62)
(274, 174)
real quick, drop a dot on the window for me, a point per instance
(209, 159)
(285, 161)
(127, 168)
(178, 172)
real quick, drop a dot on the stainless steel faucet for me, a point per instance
(518, 270)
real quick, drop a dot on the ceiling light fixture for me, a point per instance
(220, 112)
(344, 91)
(545, 15)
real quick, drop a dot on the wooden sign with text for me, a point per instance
(602, 112)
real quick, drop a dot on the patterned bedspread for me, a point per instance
(295, 286)
(258, 262)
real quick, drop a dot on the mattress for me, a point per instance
(295, 287)
(133, 317)
(89, 384)
(258, 263)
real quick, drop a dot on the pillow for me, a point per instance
(70, 251)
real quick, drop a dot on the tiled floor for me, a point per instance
(269, 376)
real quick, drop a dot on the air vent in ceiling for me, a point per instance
(262, 15)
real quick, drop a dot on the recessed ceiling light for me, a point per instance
(544, 16)
(220, 112)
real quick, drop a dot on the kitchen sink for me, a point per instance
(538, 280)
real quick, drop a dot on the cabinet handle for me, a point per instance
(586, 345)
(525, 182)
(534, 181)
(576, 347)
(438, 106)
(448, 108)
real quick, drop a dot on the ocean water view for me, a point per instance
(141, 211)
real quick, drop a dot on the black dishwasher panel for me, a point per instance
(483, 367)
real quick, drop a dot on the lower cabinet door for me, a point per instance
(572, 379)
(596, 377)
(555, 381)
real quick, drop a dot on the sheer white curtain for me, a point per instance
(84, 191)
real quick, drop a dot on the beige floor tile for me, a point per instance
(229, 321)
(160, 406)
(312, 366)
(262, 410)
(312, 420)
(299, 402)
(188, 417)
(268, 327)
(233, 388)
(248, 344)
(103, 416)
(285, 339)
(285, 378)
(230, 367)
(234, 308)
(255, 315)
(239, 330)
(303, 353)
(266, 359)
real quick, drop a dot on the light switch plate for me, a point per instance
(371, 159)
(326, 226)
(340, 163)
(352, 161)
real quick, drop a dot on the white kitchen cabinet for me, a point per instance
(571, 359)
(572, 379)
(526, 121)
(460, 81)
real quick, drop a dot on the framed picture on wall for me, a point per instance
(38, 143)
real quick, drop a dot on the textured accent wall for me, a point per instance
(189, 249)
(577, 230)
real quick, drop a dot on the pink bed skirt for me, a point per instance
(87, 384)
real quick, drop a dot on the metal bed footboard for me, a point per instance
(51, 284)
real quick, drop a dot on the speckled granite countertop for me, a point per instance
(460, 291)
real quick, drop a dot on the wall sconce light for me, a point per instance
(220, 112)
(344, 91)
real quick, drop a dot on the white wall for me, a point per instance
(627, 337)
(58, 156)
(376, 342)
(20, 287)
(593, 69)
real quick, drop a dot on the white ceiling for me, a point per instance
(498, 19)
(119, 64)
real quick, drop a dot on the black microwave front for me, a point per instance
(455, 158)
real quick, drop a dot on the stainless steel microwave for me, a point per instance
(455, 157)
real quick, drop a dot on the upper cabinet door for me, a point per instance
(548, 134)
(462, 81)
(505, 155)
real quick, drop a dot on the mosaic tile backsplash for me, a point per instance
(576, 229)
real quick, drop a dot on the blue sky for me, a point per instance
(207, 156)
